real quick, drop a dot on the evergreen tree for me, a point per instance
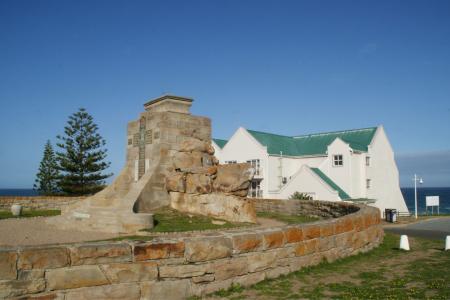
(46, 182)
(82, 156)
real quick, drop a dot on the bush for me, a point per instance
(300, 196)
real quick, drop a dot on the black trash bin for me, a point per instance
(390, 215)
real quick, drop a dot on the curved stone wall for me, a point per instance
(174, 268)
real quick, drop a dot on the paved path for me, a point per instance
(437, 228)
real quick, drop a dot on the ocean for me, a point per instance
(408, 194)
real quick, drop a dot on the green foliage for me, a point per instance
(82, 156)
(30, 213)
(300, 196)
(46, 182)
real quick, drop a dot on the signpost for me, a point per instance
(432, 201)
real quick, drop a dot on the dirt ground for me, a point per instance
(34, 231)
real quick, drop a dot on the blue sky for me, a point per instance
(288, 67)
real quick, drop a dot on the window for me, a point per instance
(368, 183)
(255, 163)
(255, 189)
(338, 160)
(367, 160)
(231, 162)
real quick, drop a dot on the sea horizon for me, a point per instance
(408, 195)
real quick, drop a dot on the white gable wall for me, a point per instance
(242, 147)
(306, 181)
(217, 149)
(341, 175)
(383, 174)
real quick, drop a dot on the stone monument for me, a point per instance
(169, 162)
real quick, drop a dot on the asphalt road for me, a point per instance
(430, 229)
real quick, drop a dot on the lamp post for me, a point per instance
(416, 179)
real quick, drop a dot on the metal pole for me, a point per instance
(415, 194)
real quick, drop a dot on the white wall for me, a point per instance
(383, 172)
(242, 147)
(306, 181)
(341, 175)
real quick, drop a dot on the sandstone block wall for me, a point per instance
(38, 202)
(175, 268)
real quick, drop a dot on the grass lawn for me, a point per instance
(170, 220)
(30, 213)
(289, 219)
(383, 273)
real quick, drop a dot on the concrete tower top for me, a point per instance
(169, 103)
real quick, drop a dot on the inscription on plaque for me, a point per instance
(148, 137)
(136, 139)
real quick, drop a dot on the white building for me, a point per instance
(350, 165)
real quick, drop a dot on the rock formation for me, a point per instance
(170, 162)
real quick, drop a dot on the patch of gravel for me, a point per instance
(34, 231)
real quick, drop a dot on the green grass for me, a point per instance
(383, 273)
(289, 219)
(170, 220)
(30, 213)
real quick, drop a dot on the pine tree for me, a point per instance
(46, 182)
(82, 156)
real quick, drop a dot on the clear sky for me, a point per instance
(287, 67)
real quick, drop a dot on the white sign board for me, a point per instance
(432, 200)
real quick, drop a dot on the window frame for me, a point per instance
(336, 160)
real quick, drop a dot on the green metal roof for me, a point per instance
(220, 143)
(313, 144)
(343, 195)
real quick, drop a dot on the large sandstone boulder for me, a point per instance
(193, 144)
(176, 182)
(226, 207)
(233, 179)
(198, 184)
(185, 160)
